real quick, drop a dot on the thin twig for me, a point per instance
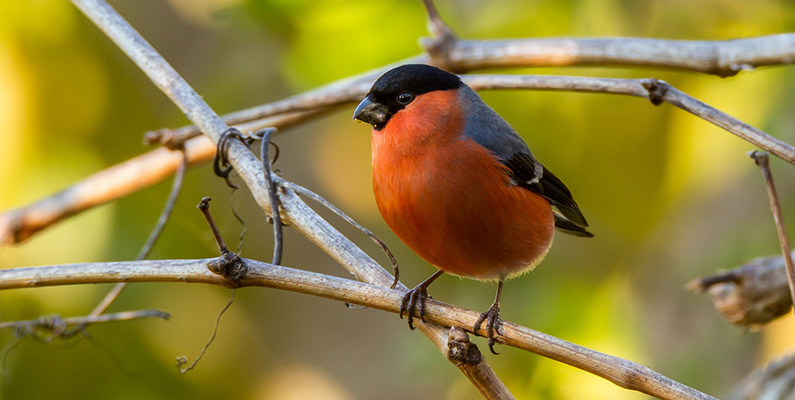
(761, 159)
(182, 360)
(204, 207)
(619, 371)
(228, 264)
(223, 169)
(56, 322)
(302, 191)
(278, 235)
(168, 209)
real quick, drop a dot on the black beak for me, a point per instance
(371, 112)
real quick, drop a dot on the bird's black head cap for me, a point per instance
(398, 87)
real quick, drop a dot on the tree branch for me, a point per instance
(723, 58)
(720, 57)
(58, 324)
(622, 372)
(763, 161)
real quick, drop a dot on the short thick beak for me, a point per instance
(371, 112)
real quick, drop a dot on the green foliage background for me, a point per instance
(670, 198)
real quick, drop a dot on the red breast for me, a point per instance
(450, 199)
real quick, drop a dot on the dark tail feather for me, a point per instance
(569, 227)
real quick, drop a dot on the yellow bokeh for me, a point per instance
(14, 108)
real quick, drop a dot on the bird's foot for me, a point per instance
(493, 324)
(414, 300)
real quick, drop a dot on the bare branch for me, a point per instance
(619, 371)
(100, 188)
(763, 161)
(721, 57)
(436, 25)
(750, 295)
(56, 325)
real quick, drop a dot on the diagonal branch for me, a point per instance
(622, 372)
(762, 160)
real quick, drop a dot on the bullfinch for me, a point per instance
(457, 184)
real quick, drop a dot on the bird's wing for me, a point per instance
(530, 174)
(491, 131)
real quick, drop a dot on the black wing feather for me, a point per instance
(542, 181)
(570, 227)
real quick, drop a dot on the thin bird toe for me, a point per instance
(413, 303)
(493, 325)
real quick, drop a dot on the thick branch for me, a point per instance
(619, 371)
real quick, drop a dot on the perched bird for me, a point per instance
(458, 185)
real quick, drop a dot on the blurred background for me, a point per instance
(669, 196)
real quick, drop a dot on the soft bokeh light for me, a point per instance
(670, 197)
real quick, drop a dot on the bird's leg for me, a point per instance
(414, 299)
(492, 319)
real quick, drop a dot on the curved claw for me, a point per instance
(493, 325)
(414, 300)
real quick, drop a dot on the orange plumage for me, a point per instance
(458, 185)
(450, 200)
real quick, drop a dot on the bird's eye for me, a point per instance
(404, 98)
